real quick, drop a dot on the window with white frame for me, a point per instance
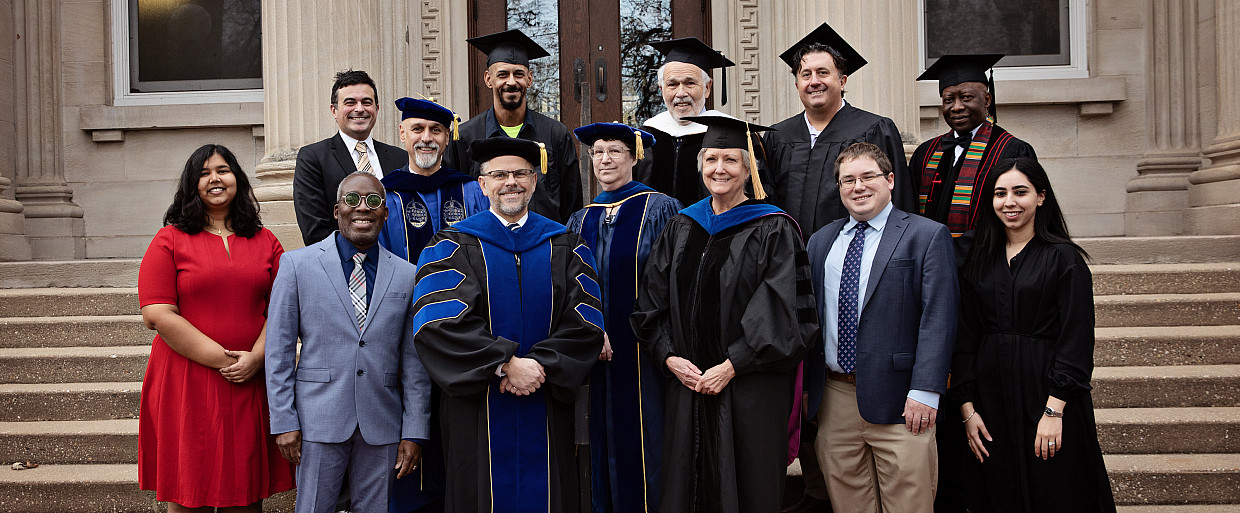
(187, 51)
(1039, 38)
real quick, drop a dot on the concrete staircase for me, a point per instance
(72, 354)
(1167, 379)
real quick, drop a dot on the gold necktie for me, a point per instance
(363, 160)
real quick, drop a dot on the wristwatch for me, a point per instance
(1052, 413)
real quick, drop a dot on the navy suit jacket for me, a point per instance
(320, 168)
(908, 325)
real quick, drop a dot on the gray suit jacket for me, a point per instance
(908, 325)
(346, 378)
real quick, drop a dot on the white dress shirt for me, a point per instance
(371, 154)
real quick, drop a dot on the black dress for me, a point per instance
(1027, 331)
(742, 293)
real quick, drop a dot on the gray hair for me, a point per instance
(340, 187)
(706, 79)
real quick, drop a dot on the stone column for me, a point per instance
(13, 243)
(54, 224)
(403, 52)
(753, 34)
(1214, 191)
(1158, 196)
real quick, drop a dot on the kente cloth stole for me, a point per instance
(959, 215)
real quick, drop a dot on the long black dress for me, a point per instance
(734, 286)
(1027, 331)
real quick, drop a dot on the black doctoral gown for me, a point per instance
(485, 294)
(734, 286)
(558, 193)
(804, 176)
(1026, 332)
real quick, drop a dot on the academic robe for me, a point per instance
(419, 206)
(1026, 332)
(734, 286)
(670, 166)
(558, 193)
(934, 176)
(484, 294)
(804, 176)
(626, 393)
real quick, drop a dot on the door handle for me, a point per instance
(579, 78)
(600, 79)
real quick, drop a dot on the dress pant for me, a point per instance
(322, 470)
(873, 468)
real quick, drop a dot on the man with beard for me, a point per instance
(685, 82)
(508, 76)
(425, 197)
(801, 151)
(509, 324)
(322, 165)
(355, 396)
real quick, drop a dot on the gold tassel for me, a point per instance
(542, 157)
(456, 120)
(641, 151)
(758, 191)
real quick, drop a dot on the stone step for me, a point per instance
(1180, 508)
(112, 272)
(1166, 278)
(69, 401)
(66, 301)
(74, 331)
(1166, 387)
(1167, 345)
(1161, 250)
(1174, 478)
(1168, 430)
(90, 489)
(63, 442)
(72, 364)
(1210, 309)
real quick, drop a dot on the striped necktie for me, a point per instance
(357, 288)
(514, 226)
(363, 159)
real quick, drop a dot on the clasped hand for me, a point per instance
(248, 363)
(711, 382)
(522, 376)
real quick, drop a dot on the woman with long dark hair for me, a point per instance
(1024, 355)
(203, 286)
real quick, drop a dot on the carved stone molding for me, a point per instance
(749, 61)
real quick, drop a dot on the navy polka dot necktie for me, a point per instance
(848, 309)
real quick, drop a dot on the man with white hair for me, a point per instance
(685, 82)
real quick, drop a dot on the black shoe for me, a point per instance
(808, 504)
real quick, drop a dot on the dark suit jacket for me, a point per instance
(908, 325)
(320, 168)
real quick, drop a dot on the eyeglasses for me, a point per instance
(614, 153)
(354, 200)
(849, 183)
(501, 175)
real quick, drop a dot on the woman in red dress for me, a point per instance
(203, 286)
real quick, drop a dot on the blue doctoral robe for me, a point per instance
(485, 294)
(626, 393)
(419, 206)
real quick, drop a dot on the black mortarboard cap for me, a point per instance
(635, 138)
(483, 150)
(730, 132)
(952, 70)
(826, 35)
(693, 51)
(511, 46)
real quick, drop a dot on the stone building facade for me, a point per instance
(1142, 137)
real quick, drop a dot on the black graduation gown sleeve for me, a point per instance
(651, 318)
(1074, 352)
(885, 135)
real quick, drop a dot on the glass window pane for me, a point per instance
(194, 45)
(642, 22)
(540, 19)
(1029, 32)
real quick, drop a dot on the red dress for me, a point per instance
(204, 441)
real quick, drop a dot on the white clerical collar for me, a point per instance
(664, 122)
(505, 222)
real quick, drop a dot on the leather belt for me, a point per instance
(840, 376)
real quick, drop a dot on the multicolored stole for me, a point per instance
(980, 156)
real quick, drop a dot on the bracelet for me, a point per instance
(966, 419)
(1052, 413)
